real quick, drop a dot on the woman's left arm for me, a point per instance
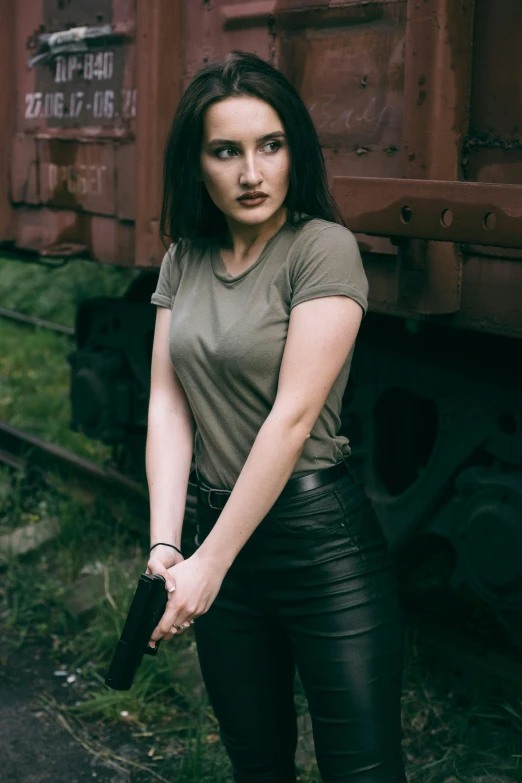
(321, 334)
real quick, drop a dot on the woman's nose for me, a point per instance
(250, 174)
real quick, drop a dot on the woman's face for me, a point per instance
(244, 151)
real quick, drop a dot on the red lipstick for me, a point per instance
(252, 199)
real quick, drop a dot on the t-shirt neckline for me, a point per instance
(218, 267)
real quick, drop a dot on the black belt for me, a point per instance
(217, 498)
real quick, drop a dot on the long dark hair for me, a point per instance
(187, 210)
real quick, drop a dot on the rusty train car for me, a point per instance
(418, 105)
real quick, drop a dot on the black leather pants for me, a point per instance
(314, 588)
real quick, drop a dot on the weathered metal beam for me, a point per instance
(481, 213)
(439, 36)
(159, 71)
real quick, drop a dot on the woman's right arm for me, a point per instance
(169, 448)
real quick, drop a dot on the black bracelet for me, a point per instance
(160, 543)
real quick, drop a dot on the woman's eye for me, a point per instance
(220, 152)
(271, 147)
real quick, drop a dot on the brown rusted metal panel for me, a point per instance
(111, 239)
(490, 300)
(437, 84)
(77, 175)
(24, 170)
(64, 15)
(125, 170)
(76, 104)
(257, 11)
(159, 67)
(493, 147)
(175, 37)
(76, 89)
(500, 162)
(54, 231)
(398, 89)
(347, 62)
(7, 81)
(37, 229)
(438, 49)
(485, 214)
(210, 30)
(336, 54)
(496, 103)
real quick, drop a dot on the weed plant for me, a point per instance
(34, 383)
(55, 293)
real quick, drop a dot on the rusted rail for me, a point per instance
(19, 449)
(22, 451)
(33, 320)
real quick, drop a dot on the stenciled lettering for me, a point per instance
(82, 179)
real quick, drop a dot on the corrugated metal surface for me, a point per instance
(494, 142)
(410, 89)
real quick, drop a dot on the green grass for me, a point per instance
(54, 294)
(34, 388)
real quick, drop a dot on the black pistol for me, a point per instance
(146, 610)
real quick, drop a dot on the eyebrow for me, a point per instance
(274, 135)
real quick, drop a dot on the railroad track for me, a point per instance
(67, 471)
(33, 320)
(21, 450)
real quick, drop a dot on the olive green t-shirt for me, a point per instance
(227, 337)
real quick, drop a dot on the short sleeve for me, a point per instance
(168, 280)
(328, 264)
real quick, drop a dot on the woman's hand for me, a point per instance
(160, 560)
(197, 582)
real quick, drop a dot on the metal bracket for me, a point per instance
(476, 212)
(74, 40)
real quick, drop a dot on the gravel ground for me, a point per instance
(34, 747)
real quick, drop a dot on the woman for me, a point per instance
(260, 297)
